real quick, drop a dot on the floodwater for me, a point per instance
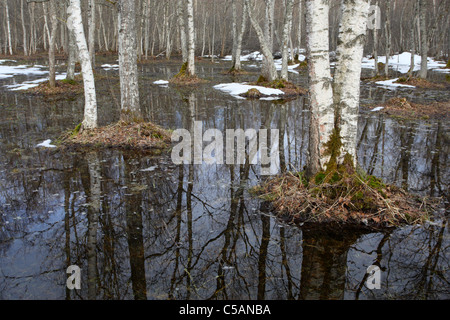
(140, 227)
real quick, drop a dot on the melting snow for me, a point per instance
(236, 89)
(389, 84)
(46, 144)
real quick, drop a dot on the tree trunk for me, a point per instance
(237, 53)
(8, 27)
(388, 37)
(268, 68)
(182, 29)
(375, 43)
(91, 30)
(190, 70)
(52, 44)
(72, 57)
(423, 39)
(352, 36)
(75, 25)
(24, 30)
(320, 84)
(129, 88)
(285, 39)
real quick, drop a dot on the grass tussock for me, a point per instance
(420, 83)
(290, 89)
(63, 89)
(121, 135)
(183, 78)
(401, 107)
(343, 198)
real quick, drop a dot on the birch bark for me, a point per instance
(190, 70)
(423, 39)
(237, 45)
(320, 83)
(268, 68)
(352, 36)
(75, 25)
(182, 30)
(285, 37)
(129, 89)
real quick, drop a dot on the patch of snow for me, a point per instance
(236, 89)
(402, 62)
(150, 169)
(33, 83)
(161, 82)
(46, 144)
(389, 84)
(377, 109)
(11, 71)
(108, 67)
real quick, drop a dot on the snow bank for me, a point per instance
(402, 62)
(389, 84)
(236, 89)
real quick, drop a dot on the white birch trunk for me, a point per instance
(285, 39)
(24, 29)
(182, 30)
(388, 37)
(423, 73)
(190, 70)
(352, 35)
(8, 27)
(52, 44)
(320, 83)
(75, 24)
(268, 69)
(129, 88)
(91, 30)
(237, 43)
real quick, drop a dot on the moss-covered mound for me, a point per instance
(63, 89)
(121, 135)
(342, 197)
(290, 89)
(183, 78)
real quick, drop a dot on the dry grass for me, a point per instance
(349, 200)
(63, 89)
(401, 107)
(121, 135)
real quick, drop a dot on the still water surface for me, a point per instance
(140, 227)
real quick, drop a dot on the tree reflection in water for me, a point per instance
(193, 231)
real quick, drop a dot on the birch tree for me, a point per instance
(286, 35)
(238, 34)
(182, 30)
(268, 69)
(320, 84)
(129, 88)
(388, 37)
(190, 69)
(334, 106)
(91, 30)
(75, 25)
(423, 39)
(8, 27)
(352, 36)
